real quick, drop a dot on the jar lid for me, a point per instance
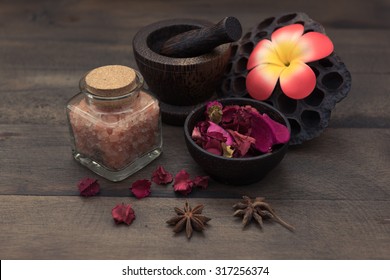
(111, 80)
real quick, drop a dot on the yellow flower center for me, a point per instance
(284, 51)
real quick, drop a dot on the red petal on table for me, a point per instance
(297, 80)
(161, 176)
(141, 188)
(88, 187)
(182, 183)
(123, 214)
(243, 142)
(201, 181)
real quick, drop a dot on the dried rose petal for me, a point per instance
(196, 135)
(141, 188)
(123, 214)
(199, 133)
(242, 142)
(161, 176)
(216, 128)
(237, 118)
(268, 132)
(228, 113)
(242, 131)
(203, 126)
(279, 131)
(88, 187)
(216, 135)
(213, 146)
(182, 183)
(201, 181)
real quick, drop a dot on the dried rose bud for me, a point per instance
(141, 188)
(88, 187)
(214, 111)
(123, 214)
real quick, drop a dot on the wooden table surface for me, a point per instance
(334, 189)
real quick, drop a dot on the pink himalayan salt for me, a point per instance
(116, 139)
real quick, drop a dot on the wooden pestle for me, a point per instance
(203, 40)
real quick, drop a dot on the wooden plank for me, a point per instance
(344, 13)
(38, 92)
(341, 164)
(40, 98)
(49, 53)
(334, 189)
(75, 228)
(46, 48)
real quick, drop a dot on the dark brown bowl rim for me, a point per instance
(146, 54)
(255, 158)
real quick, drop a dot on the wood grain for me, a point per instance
(38, 77)
(36, 160)
(77, 228)
(334, 189)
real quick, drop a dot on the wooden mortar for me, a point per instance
(178, 81)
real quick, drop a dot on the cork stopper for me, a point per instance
(111, 80)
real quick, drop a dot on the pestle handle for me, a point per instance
(200, 41)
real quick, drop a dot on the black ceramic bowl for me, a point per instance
(235, 171)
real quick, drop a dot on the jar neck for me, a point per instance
(113, 103)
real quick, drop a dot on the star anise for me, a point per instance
(257, 210)
(188, 218)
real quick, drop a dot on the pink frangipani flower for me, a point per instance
(284, 58)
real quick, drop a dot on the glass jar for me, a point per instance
(115, 126)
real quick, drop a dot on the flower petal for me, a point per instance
(201, 182)
(216, 128)
(290, 32)
(122, 213)
(182, 183)
(312, 46)
(280, 133)
(141, 188)
(284, 40)
(262, 133)
(88, 187)
(213, 146)
(242, 142)
(261, 81)
(161, 176)
(298, 80)
(263, 53)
